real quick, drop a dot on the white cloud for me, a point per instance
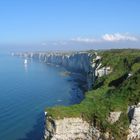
(105, 40)
(118, 37)
(85, 40)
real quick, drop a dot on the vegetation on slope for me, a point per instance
(114, 92)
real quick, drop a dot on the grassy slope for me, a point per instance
(111, 93)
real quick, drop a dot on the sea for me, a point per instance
(26, 90)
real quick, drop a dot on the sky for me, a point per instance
(70, 24)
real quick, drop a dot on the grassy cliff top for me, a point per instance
(114, 92)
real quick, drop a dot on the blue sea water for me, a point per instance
(26, 90)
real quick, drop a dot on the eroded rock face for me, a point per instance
(103, 71)
(70, 129)
(75, 61)
(134, 128)
(114, 116)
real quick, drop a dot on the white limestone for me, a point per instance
(134, 128)
(103, 71)
(114, 116)
(71, 129)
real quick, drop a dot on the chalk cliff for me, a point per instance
(78, 62)
(79, 129)
(70, 129)
(134, 128)
(74, 61)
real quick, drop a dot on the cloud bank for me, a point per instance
(116, 37)
(119, 37)
(106, 41)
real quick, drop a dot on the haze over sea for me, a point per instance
(26, 90)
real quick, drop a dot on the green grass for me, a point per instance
(105, 98)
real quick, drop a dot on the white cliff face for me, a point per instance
(79, 62)
(70, 129)
(134, 128)
(75, 61)
(77, 128)
(100, 71)
(84, 63)
(103, 71)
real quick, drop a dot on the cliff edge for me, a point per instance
(104, 113)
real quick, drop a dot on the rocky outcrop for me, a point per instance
(100, 70)
(77, 128)
(134, 128)
(70, 129)
(103, 71)
(114, 116)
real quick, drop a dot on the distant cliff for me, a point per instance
(83, 63)
(75, 61)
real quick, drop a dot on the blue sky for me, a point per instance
(74, 22)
